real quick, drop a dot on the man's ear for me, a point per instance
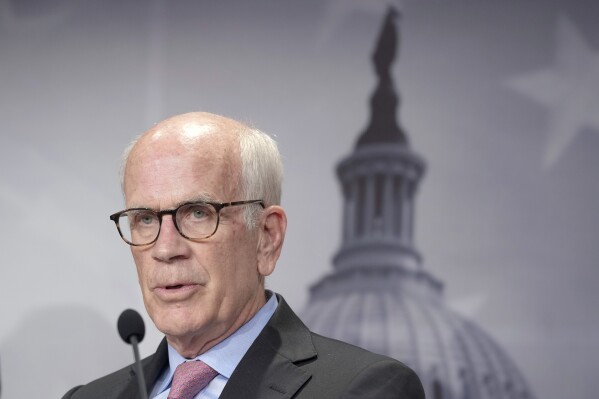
(271, 234)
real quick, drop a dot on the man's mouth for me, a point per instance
(176, 292)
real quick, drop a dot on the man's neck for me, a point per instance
(193, 345)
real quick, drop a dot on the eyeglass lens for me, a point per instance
(194, 221)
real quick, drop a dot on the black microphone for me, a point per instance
(132, 330)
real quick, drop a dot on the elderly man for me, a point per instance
(205, 228)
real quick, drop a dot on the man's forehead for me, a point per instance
(168, 180)
(179, 173)
(189, 142)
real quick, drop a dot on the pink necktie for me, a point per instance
(190, 378)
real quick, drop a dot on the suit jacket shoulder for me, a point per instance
(351, 372)
(289, 361)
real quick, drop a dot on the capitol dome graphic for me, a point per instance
(379, 296)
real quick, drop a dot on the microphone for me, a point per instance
(132, 330)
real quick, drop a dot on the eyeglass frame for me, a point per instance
(218, 206)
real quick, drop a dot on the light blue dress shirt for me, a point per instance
(223, 357)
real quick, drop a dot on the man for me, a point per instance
(205, 228)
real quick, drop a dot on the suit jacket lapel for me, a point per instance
(152, 367)
(268, 370)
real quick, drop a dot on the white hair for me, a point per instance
(261, 171)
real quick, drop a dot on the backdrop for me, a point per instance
(500, 98)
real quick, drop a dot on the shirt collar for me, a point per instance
(226, 355)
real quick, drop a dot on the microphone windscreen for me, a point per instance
(130, 323)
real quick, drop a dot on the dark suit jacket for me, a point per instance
(285, 361)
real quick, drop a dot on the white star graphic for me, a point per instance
(570, 89)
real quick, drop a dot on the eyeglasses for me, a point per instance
(195, 221)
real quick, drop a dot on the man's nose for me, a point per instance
(170, 245)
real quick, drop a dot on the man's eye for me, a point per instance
(144, 219)
(199, 212)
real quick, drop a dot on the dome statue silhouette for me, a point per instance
(379, 296)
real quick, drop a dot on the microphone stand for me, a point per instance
(141, 381)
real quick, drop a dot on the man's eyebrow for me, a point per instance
(202, 197)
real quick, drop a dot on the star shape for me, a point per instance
(569, 88)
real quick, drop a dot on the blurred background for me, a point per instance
(500, 98)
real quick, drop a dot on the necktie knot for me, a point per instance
(190, 378)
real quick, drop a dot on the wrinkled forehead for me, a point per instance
(205, 151)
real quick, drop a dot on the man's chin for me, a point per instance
(178, 327)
